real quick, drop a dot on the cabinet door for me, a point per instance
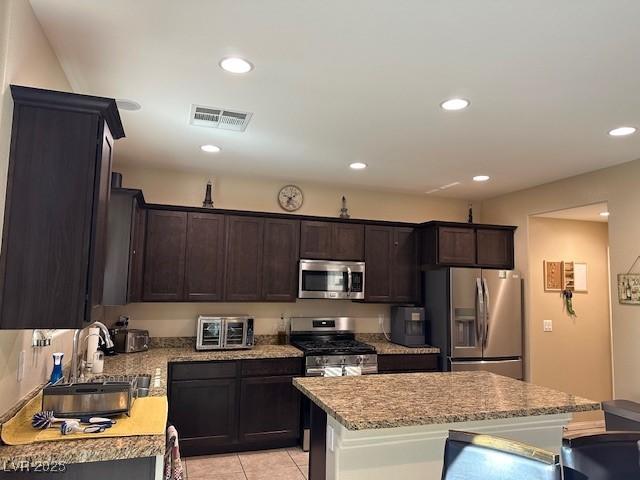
(378, 263)
(348, 242)
(204, 410)
(404, 363)
(245, 237)
(165, 256)
(47, 220)
(280, 264)
(495, 248)
(136, 258)
(205, 257)
(102, 189)
(270, 409)
(456, 246)
(316, 240)
(405, 266)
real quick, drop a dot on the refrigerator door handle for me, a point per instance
(480, 314)
(487, 307)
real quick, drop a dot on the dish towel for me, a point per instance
(172, 462)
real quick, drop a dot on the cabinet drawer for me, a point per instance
(407, 363)
(203, 370)
(271, 367)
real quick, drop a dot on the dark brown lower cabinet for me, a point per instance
(255, 406)
(406, 363)
(269, 410)
(204, 412)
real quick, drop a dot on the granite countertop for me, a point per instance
(154, 362)
(385, 347)
(410, 399)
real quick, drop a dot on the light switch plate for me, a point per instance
(548, 325)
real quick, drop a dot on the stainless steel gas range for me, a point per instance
(330, 350)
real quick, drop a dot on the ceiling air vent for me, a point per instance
(213, 117)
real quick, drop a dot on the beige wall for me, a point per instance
(179, 188)
(27, 59)
(580, 345)
(619, 187)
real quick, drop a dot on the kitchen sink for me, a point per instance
(140, 383)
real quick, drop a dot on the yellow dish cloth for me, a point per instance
(148, 417)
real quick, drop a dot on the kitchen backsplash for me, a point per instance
(179, 319)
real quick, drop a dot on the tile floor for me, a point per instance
(283, 464)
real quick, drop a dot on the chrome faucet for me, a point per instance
(75, 369)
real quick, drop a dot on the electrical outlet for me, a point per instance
(548, 325)
(21, 366)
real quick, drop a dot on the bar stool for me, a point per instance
(470, 456)
(603, 456)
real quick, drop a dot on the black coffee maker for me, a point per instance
(408, 326)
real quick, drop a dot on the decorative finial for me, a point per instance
(470, 212)
(344, 211)
(208, 199)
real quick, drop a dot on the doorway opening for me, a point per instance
(570, 305)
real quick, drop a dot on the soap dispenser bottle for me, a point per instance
(56, 373)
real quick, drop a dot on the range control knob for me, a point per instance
(359, 360)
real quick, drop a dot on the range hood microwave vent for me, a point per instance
(213, 117)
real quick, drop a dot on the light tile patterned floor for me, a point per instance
(283, 464)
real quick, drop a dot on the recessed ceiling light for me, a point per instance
(236, 65)
(130, 105)
(481, 178)
(210, 148)
(604, 214)
(622, 131)
(455, 104)
(358, 165)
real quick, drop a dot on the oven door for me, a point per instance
(210, 335)
(235, 332)
(333, 280)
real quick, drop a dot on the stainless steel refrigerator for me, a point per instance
(475, 318)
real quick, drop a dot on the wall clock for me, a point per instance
(290, 198)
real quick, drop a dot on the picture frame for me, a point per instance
(629, 288)
(580, 277)
(553, 276)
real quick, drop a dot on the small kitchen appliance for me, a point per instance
(331, 279)
(218, 332)
(408, 326)
(130, 340)
(330, 350)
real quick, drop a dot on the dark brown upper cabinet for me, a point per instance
(125, 248)
(495, 247)
(55, 218)
(469, 245)
(331, 241)
(204, 273)
(280, 264)
(391, 264)
(245, 248)
(165, 256)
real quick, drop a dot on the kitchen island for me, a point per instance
(394, 426)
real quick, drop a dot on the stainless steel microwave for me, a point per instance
(217, 333)
(331, 279)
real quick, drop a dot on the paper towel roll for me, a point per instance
(92, 345)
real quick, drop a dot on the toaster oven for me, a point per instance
(217, 332)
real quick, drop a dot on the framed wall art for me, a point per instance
(553, 276)
(629, 288)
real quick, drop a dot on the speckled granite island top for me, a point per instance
(411, 399)
(154, 362)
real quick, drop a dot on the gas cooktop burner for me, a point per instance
(333, 347)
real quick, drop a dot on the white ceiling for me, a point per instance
(339, 81)
(589, 213)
